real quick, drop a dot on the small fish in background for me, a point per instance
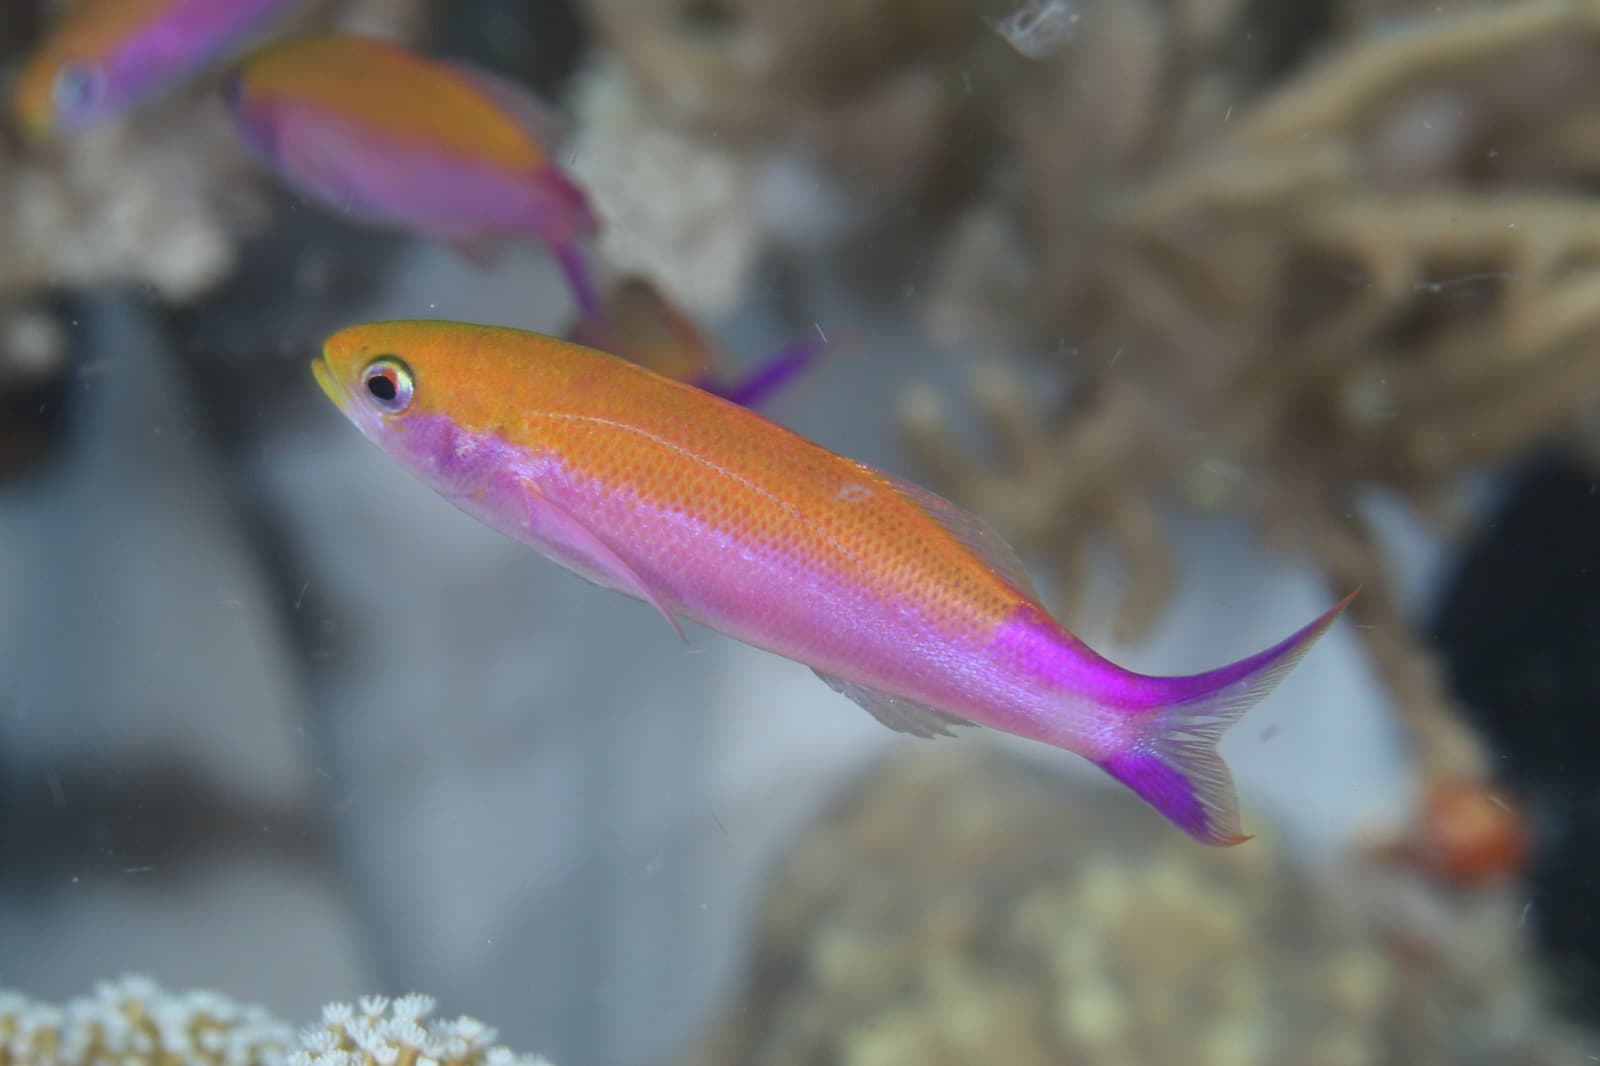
(640, 324)
(898, 599)
(388, 136)
(106, 57)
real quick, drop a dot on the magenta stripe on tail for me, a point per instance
(1171, 760)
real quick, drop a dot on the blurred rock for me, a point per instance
(962, 908)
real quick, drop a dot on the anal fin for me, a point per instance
(901, 715)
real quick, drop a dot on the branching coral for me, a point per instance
(866, 88)
(1376, 273)
(135, 1023)
(1281, 261)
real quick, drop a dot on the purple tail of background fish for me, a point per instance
(1171, 757)
(771, 376)
(562, 218)
(580, 277)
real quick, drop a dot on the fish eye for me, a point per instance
(387, 383)
(75, 89)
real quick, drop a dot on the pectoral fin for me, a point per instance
(583, 550)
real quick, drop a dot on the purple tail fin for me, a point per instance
(560, 216)
(770, 377)
(1171, 759)
(575, 265)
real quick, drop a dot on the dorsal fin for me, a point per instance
(540, 120)
(901, 715)
(990, 548)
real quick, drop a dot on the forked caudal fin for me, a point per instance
(1171, 759)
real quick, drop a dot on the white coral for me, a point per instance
(134, 1022)
(672, 207)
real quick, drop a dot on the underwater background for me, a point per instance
(1217, 309)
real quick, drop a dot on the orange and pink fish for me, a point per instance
(896, 598)
(442, 149)
(106, 57)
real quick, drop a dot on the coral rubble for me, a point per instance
(135, 1022)
(1279, 261)
(963, 908)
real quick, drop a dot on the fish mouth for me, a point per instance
(328, 383)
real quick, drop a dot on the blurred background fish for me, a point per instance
(108, 56)
(380, 133)
(639, 323)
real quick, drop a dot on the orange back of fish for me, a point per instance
(680, 448)
(384, 88)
